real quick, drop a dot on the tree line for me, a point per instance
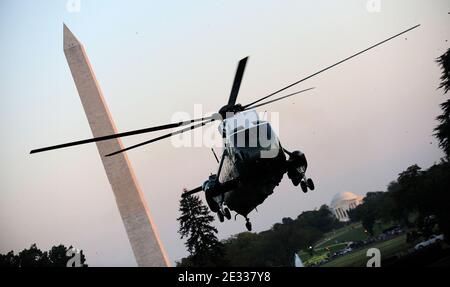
(57, 256)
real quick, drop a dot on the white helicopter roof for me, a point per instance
(242, 120)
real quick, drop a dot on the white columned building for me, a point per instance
(342, 202)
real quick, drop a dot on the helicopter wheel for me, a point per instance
(227, 213)
(304, 186)
(220, 215)
(212, 204)
(310, 184)
(248, 224)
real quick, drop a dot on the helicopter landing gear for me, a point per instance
(212, 204)
(248, 224)
(296, 171)
(227, 213)
(220, 215)
(310, 184)
(307, 184)
(304, 186)
(223, 213)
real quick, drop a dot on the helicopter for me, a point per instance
(253, 161)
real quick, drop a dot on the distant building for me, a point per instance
(342, 202)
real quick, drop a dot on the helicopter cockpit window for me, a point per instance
(243, 120)
(260, 136)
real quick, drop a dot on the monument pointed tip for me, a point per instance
(69, 38)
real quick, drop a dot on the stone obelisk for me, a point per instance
(147, 247)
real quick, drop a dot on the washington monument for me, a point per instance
(141, 230)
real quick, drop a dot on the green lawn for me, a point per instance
(336, 240)
(352, 232)
(320, 254)
(315, 259)
(359, 259)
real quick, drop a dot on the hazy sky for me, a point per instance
(366, 121)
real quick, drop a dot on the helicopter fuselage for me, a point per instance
(253, 156)
(257, 179)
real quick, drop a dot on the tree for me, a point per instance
(245, 249)
(435, 198)
(368, 221)
(58, 256)
(33, 257)
(411, 192)
(9, 260)
(369, 211)
(442, 131)
(423, 195)
(195, 225)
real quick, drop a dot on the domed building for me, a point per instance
(342, 202)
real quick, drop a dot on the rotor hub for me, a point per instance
(230, 110)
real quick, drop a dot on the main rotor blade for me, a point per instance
(124, 134)
(277, 99)
(191, 192)
(329, 67)
(163, 136)
(237, 81)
